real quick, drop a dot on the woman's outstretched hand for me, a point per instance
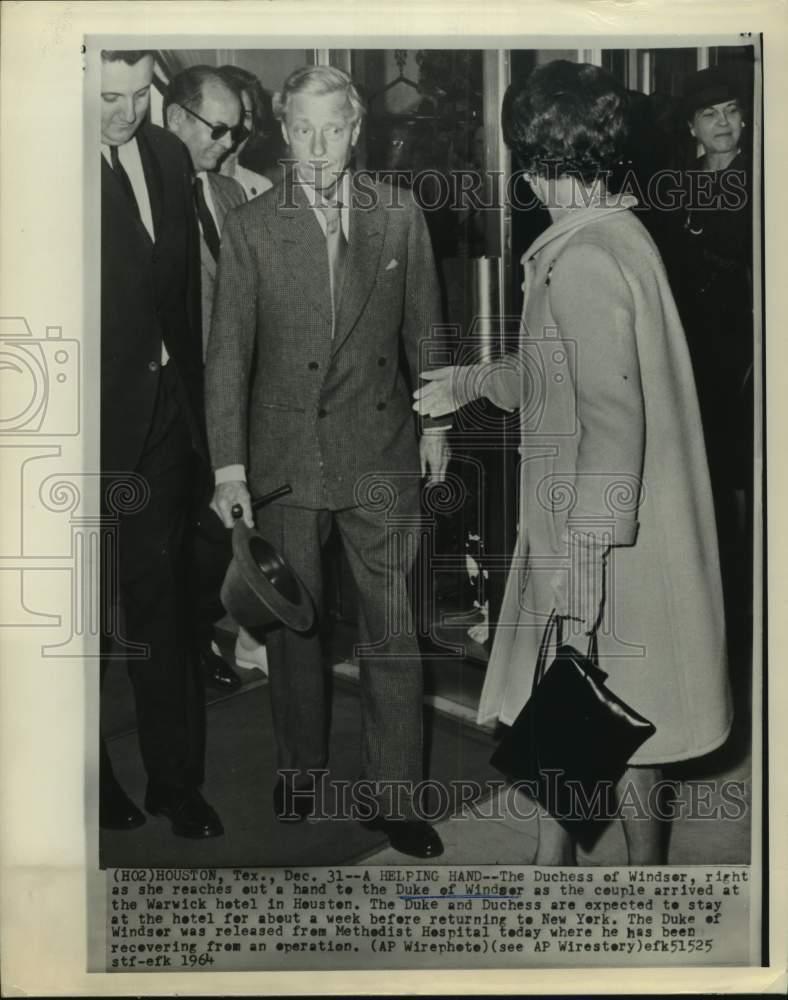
(447, 389)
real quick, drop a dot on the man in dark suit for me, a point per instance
(317, 294)
(199, 105)
(152, 427)
(196, 99)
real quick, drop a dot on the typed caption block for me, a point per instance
(245, 919)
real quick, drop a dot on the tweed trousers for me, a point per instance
(380, 559)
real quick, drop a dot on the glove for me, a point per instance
(579, 587)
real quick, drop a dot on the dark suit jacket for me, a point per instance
(226, 193)
(149, 293)
(282, 397)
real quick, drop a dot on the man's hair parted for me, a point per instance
(318, 80)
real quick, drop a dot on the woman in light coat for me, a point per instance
(616, 528)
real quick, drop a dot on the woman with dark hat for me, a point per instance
(713, 283)
(616, 526)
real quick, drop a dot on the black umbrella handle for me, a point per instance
(237, 511)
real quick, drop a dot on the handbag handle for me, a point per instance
(556, 621)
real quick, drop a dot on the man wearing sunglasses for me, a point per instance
(205, 111)
(206, 114)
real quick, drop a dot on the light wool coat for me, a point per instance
(611, 444)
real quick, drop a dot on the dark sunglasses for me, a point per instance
(237, 132)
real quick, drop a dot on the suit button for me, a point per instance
(381, 362)
(313, 366)
(381, 406)
(321, 413)
(153, 366)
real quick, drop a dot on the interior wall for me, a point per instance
(271, 66)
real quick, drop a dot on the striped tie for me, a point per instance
(336, 244)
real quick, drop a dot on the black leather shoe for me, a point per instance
(299, 805)
(117, 811)
(408, 836)
(189, 813)
(216, 672)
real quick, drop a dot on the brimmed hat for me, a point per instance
(260, 589)
(706, 88)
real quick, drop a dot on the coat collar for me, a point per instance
(613, 205)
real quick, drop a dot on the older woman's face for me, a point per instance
(718, 128)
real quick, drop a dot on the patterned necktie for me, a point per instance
(120, 172)
(208, 226)
(336, 244)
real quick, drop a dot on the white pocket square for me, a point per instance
(392, 264)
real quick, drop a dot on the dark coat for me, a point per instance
(283, 398)
(149, 293)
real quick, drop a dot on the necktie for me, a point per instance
(123, 177)
(337, 251)
(207, 224)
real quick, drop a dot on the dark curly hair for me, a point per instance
(565, 119)
(242, 80)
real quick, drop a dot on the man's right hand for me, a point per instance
(226, 496)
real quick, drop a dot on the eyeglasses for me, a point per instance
(237, 132)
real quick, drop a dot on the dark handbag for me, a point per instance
(571, 742)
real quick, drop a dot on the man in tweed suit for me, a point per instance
(319, 287)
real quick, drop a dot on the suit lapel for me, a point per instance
(112, 187)
(153, 181)
(220, 201)
(206, 257)
(304, 247)
(367, 229)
